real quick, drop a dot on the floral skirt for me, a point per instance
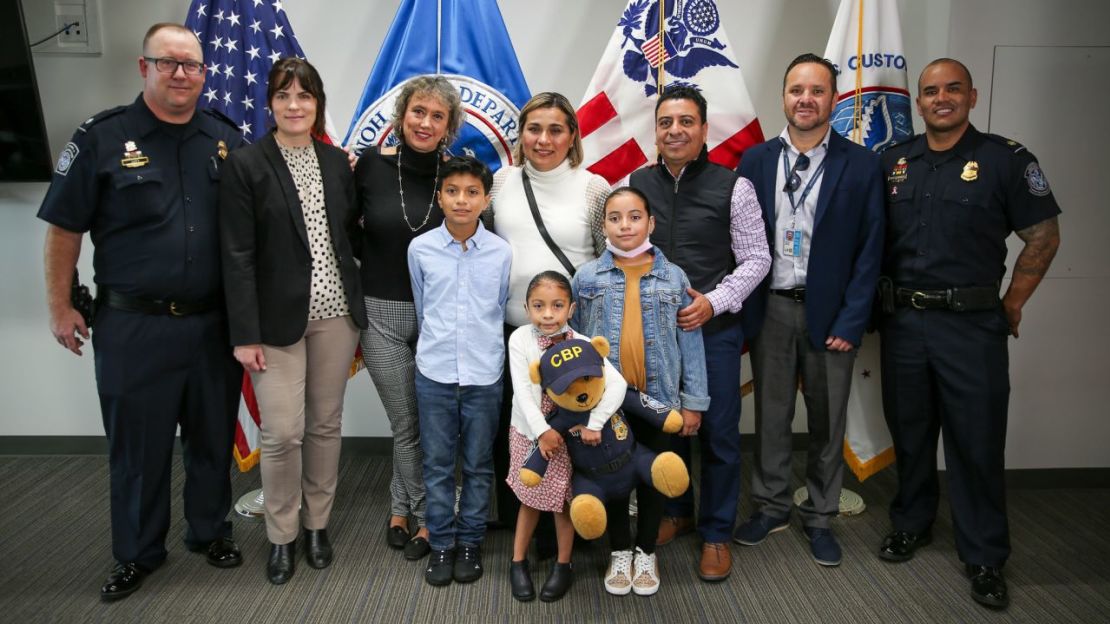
(553, 493)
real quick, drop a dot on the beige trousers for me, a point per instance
(300, 399)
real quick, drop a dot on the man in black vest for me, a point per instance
(708, 221)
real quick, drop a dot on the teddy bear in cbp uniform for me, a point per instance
(570, 373)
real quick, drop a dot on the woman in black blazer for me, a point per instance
(287, 224)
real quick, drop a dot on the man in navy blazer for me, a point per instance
(822, 199)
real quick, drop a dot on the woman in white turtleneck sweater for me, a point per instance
(570, 201)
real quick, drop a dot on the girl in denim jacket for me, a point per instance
(632, 295)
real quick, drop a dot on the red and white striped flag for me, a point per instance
(617, 115)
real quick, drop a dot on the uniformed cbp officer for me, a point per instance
(953, 196)
(143, 180)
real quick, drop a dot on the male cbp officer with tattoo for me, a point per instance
(953, 196)
(143, 179)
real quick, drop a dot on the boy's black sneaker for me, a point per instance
(468, 564)
(438, 572)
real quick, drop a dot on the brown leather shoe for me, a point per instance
(716, 562)
(671, 527)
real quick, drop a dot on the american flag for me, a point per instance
(241, 39)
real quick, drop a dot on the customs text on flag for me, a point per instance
(683, 45)
(872, 109)
(466, 41)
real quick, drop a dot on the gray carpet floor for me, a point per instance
(55, 553)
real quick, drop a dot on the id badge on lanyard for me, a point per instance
(792, 237)
(792, 242)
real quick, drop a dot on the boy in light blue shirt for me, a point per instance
(460, 284)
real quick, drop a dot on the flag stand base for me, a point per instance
(851, 504)
(250, 505)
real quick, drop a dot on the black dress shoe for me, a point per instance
(468, 564)
(397, 537)
(282, 563)
(417, 548)
(224, 553)
(439, 570)
(558, 583)
(124, 580)
(521, 581)
(317, 548)
(988, 587)
(900, 546)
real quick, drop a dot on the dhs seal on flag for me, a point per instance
(884, 117)
(488, 133)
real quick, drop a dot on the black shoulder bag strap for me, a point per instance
(540, 226)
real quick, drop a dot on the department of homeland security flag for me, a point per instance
(617, 115)
(466, 41)
(873, 109)
(241, 40)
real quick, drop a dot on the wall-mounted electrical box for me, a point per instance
(77, 23)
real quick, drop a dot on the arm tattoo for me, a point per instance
(1041, 242)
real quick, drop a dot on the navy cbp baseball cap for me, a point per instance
(566, 361)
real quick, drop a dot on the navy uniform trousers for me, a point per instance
(154, 373)
(948, 371)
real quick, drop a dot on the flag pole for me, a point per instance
(857, 102)
(659, 78)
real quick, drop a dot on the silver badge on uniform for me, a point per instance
(65, 160)
(1034, 177)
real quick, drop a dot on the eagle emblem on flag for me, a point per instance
(687, 45)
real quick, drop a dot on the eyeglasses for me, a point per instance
(168, 65)
(794, 181)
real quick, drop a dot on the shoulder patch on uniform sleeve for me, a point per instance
(1034, 178)
(1010, 144)
(66, 158)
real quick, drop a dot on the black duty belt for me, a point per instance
(969, 299)
(128, 303)
(609, 468)
(797, 294)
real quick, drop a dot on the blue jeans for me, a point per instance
(720, 440)
(457, 420)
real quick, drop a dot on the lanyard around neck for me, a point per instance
(809, 185)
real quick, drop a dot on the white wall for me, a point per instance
(46, 391)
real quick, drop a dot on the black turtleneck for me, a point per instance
(386, 235)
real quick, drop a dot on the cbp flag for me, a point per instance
(466, 41)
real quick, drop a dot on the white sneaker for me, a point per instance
(618, 579)
(645, 580)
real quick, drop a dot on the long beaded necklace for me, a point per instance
(401, 188)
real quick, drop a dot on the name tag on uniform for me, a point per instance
(792, 243)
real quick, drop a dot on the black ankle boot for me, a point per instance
(317, 548)
(558, 582)
(521, 581)
(283, 557)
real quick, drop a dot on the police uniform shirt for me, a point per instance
(147, 192)
(949, 213)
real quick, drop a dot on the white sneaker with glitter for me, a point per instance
(618, 579)
(645, 578)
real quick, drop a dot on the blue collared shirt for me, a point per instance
(460, 301)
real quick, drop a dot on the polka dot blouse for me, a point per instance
(328, 299)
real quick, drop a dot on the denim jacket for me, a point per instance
(675, 359)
